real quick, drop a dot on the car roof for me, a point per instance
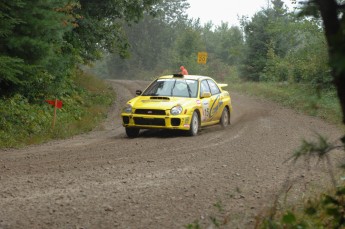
(188, 77)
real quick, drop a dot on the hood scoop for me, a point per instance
(160, 98)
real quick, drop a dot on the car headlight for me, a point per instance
(176, 110)
(127, 109)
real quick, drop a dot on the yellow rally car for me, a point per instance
(183, 102)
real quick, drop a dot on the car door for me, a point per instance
(215, 105)
(205, 101)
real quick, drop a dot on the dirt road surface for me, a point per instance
(162, 179)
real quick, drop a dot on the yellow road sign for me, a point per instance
(202, 57)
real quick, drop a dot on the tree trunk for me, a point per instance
(339, 82)
(336, 46)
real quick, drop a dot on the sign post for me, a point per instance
(57, 105)
(54, 119)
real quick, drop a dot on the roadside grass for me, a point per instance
(305, 99)
(325, 210)
(84, 107)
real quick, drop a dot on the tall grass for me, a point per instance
(84, 106)
(322, 103)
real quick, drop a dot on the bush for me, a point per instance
(85, 103)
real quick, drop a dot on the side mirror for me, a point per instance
(206, 95)
(138, 92)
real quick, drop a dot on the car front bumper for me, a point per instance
(179, 122)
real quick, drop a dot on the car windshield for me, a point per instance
(173, 87)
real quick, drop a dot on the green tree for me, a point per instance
(151, 42)
(10, 67)
(100, 26)
(300, 61)
(229, 43)
(31, 46)
(42, 42)
(264, 31)
(256, 38)
(332, 14)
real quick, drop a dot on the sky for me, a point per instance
(225, 10)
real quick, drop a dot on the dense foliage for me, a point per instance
(23, 123)
(272, 46)
(41, 42)
(42, 45)
(39, 50)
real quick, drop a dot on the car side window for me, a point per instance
(214, 87)
(204, 87)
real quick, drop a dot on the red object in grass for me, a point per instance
(57, 103)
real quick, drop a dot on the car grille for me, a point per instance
(150, 112)
(149, 121)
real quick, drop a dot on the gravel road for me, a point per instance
(161, 179)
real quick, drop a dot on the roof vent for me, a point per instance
(178, 75)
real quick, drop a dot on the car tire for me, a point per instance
(225, 118)
(132, 132)
(194, 125)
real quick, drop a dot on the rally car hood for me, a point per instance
(159, 102)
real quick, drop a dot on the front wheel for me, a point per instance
(225, 118)
(194, 125)
(132, 132)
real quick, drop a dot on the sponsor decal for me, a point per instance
(186, 125)
(205, 111)
(215, 106)
(198, 102)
